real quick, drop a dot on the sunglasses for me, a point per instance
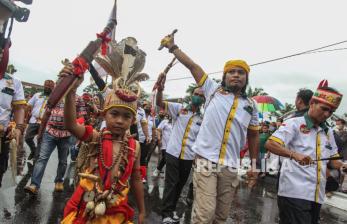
(240, 71)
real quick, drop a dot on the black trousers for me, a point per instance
(31, 132)
(176, 175)
(162, 161)
(298, 211)
(5, 150)
(145, 148)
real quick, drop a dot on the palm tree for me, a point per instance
(255, 92)
(288, 107)
(191, 88)
(11, 69)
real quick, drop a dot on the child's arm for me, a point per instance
(137, 188)
(71, 124)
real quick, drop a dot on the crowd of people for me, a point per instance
(112, 136)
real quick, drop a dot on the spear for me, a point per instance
(80, 66)
(81, 62)
(166, 70)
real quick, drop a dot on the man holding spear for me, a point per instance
(230, 117)
(179, 154)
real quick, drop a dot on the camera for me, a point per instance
(9, 9)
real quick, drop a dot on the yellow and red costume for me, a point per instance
(119, 211)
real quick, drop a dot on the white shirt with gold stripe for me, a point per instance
(185, 128)
(140, 118)
(12, 93)
(226, 120)
(38, 103)
(304, 182)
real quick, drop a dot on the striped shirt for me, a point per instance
(55, 125)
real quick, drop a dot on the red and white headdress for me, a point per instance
(325, 96)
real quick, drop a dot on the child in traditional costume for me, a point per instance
(108, 163)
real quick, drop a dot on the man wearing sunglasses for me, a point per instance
(230, 117)
(307, 145)
(186, 122)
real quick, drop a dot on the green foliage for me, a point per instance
(255, 92)
(11, 69)
(91, 88)
(288, 107)
(30, 91)
(191, 88)
(144, 95)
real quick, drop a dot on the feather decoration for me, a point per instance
(138, 77)
(129, 56)
(139, 63)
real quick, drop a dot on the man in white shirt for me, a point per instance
(186, 122)
(145, 132)
(37, 105)
(306, 145)
(11, 100)
(230, 117)
(164, 133)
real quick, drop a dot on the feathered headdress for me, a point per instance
(124, 62)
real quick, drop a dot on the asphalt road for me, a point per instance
(248, 206)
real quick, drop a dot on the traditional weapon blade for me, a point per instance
(64, 84)
(13, 159)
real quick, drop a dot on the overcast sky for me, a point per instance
(210, 32)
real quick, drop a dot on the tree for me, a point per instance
(30, 91)
(191, 88)
(288, 107)
(189, 92)
(255, 92)
(91, 88)
(144, 96)
(11, 69)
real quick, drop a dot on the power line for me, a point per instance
(313, 51)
